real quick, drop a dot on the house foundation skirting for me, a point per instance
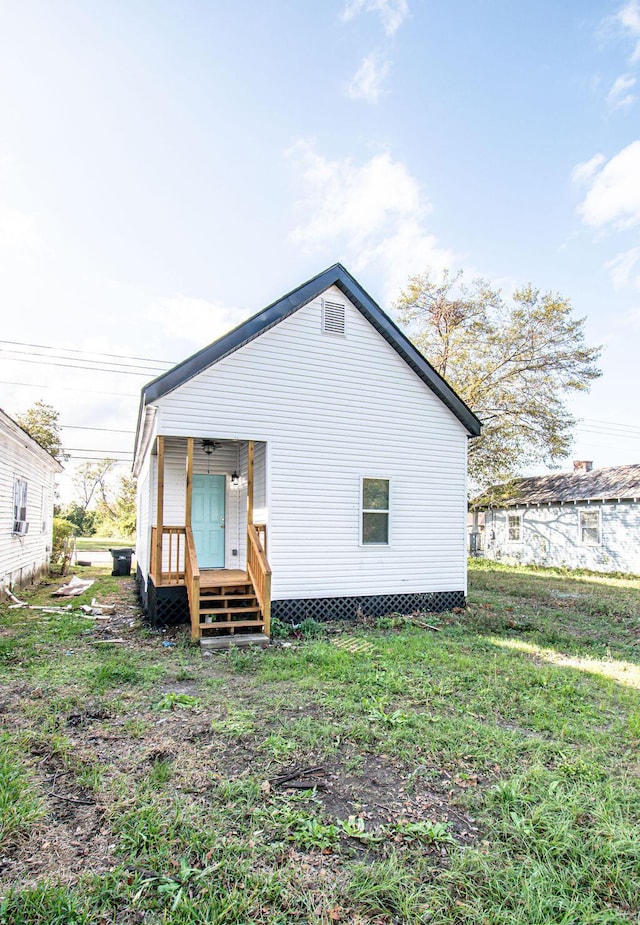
(164, 606)
(350, 608)
(169, 606)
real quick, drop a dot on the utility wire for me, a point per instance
(117, 356)
(110, 430)
(62, 388)
(92, 368)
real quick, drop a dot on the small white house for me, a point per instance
(588, 518)
(27, 488)
(309, 463)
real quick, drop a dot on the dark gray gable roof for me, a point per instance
(609, 484)
(270, 316)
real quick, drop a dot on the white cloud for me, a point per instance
(391, 12)
(629, 18)
(368, 80)
(613, 196)
(583, 172)
(195, 321)
(618, 97)
(622, 269)
(373, 213)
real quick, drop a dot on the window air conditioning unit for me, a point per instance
(21, 527)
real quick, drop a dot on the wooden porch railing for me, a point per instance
(259, 572)
(261, 530)
(192, 581)
(170, 570)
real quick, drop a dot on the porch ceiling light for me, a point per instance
(209, 445)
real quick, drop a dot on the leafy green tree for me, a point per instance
(91, 481)
(42, 422)
(513, 362)
(82, 519)
(125, 505)
(118, 517)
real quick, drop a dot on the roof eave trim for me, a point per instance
(338, 276)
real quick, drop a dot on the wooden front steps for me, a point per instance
(229, 610)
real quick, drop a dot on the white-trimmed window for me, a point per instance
(514, 528)
(20, 525)
(374, 524)
(44, 510)
(589, 530)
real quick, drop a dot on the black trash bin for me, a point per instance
(121, 561)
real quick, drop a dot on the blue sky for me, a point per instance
(168, 168)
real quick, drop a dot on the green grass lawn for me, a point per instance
(102, 543)
(485, 771)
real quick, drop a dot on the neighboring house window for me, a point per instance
(20, 524)
(590, 528)
(515, 528)
(44, 510)
(375, 512)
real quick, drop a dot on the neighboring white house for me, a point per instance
(588, 518)
(310, 462)
(27, 487)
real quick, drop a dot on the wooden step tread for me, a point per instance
(227, 597)
(221, 592)
(229, 610)
(232, 624)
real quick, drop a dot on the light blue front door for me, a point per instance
(207, 519)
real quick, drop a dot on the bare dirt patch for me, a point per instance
(71, 839)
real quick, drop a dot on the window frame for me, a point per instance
(589, 512)
(20, 503)
(363, 511)
(517, 516)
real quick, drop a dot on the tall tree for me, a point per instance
(513, 362)
(42, 422)
(91, 480)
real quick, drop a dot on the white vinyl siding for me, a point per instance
(329, 409)
(27, 475)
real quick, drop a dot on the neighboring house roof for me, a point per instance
(19, 433)
(614, 483)
(274, 313)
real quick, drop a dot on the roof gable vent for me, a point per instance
(333, 317)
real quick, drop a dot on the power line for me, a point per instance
(85, 449)
(109, 430)
(611, 423)
(117, 356)
(62, 388)
(17, 356)
(95, 369)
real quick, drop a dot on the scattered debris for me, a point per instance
(300, 779)
(74, 587)
(425, 626)
(351, 644)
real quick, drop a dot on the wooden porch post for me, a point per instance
(189, 494)
(160, 510)
(250, 449)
